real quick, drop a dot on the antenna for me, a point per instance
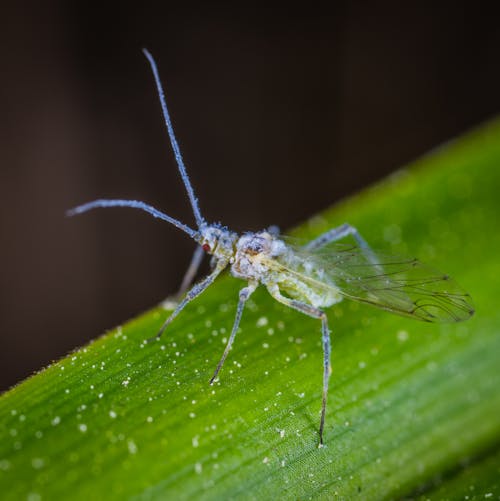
(173, 141)
(134, 204)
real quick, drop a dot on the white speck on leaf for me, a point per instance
(4, 464)
(132, 447)
(432, 366)
(37, 463)
(169, 304)
(402, 336)
(262, 322)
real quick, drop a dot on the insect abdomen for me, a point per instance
(306, 283)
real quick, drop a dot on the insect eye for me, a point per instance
(206, 247)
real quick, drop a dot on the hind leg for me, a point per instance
(314, 312)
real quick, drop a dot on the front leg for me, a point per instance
(314, 312)
(194, 292)
(244, 295)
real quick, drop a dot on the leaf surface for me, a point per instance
(413, 406)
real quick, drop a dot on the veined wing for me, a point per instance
(397, 284)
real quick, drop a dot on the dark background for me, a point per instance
(279, 114)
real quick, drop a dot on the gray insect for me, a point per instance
(306, 278)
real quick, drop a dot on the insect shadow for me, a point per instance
(306, 277)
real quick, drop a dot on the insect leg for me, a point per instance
(191, 271)
(335, 234)
(244, 295)
(338, 233)
(314, 312)
(194, 292)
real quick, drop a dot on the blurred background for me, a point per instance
(279, 113)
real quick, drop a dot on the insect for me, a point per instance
(307, 278)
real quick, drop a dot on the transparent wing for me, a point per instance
(397, 284)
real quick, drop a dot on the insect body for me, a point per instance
(308, 277)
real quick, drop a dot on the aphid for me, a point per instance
(306, 278)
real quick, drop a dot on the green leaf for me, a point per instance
(413, 407)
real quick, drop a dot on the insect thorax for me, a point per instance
(268, 260)
(254, 255)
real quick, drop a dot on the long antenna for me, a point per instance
(134, 204)
(173, 141)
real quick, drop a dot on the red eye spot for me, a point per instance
(206, 247)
